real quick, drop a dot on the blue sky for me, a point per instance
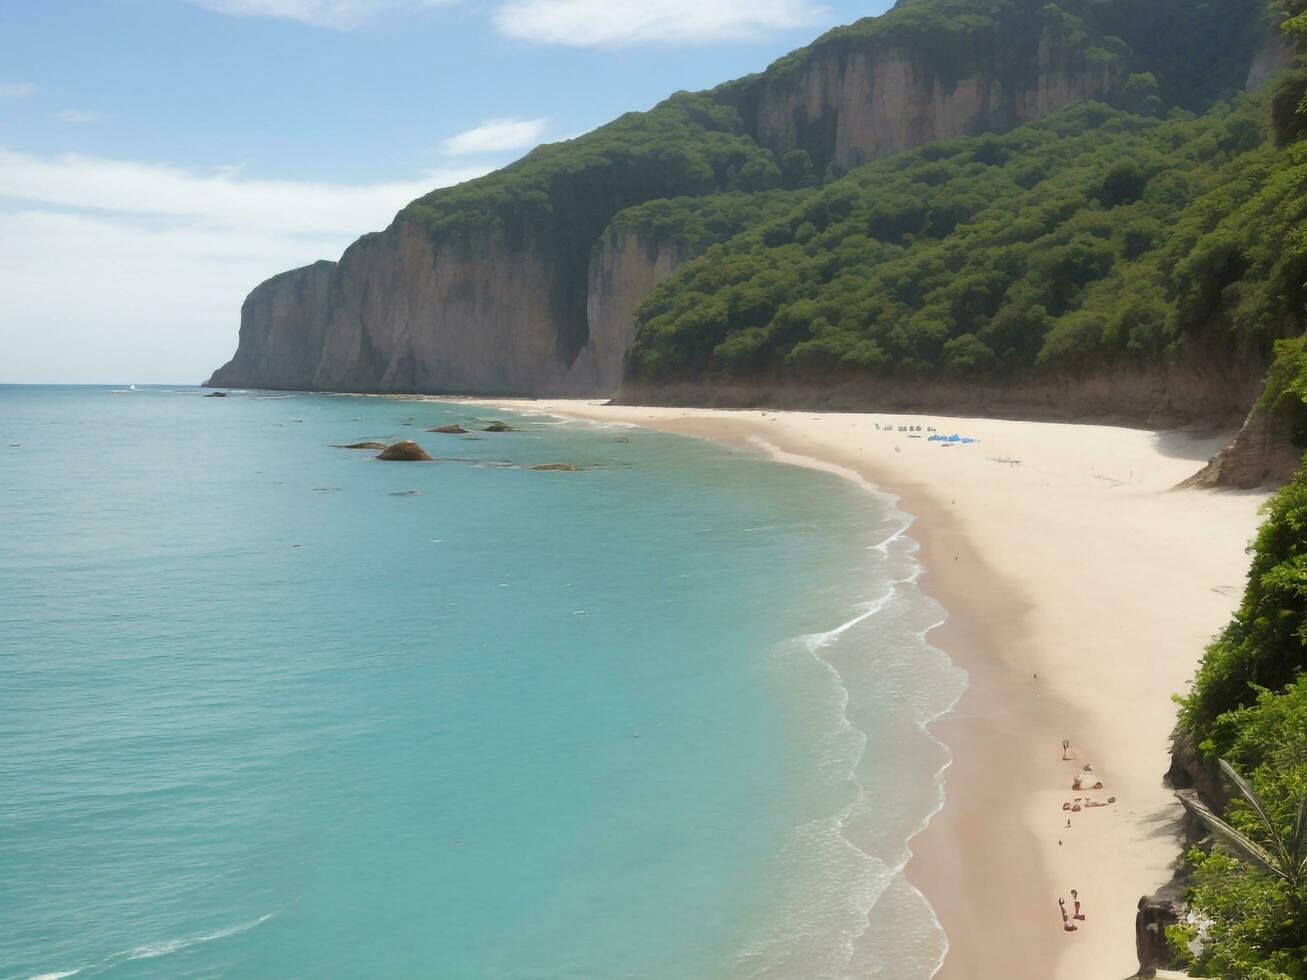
(159, 158)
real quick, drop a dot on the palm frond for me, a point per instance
(1299, 844)
(1279, 846)
(1248, 793)
(1241, 844)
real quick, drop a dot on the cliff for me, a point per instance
(849, 100)
(282, 328)
(528, 281)
(517, 283)
(1214, 390)
(625, 267)
(401, 314)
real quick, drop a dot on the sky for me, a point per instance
(160, 158)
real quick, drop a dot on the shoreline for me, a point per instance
(1080, 591)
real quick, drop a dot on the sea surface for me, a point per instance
(270, 708)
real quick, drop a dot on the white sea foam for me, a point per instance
(153, 950)
(820, 930)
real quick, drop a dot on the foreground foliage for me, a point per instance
(1249, 705)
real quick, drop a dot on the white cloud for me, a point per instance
(129, 272)
(17, 90)
(339, 14)
(223, 199)
(78, 116)
(588, 23)
(496, 136)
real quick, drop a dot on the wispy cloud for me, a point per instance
(223, 199)
(121, 270)
(338, 14)
(16, 90)
(590, 23)
(496, 136)
(78, 117)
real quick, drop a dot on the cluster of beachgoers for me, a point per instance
(1085, 779)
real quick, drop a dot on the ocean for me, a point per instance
(270, 708)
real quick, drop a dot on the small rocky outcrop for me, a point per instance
(363, 445)
(1156, 913)
(216, 394)
(497, 426)
(407, 451)
(455, 429)
(1262, 454)
(556, 467)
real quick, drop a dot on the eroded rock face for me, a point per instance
(850, 106)
(624, 269)
(1262, 454)
(1275, 54)
(282, 330)
(400, 313)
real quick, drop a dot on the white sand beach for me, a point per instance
(1081, 590)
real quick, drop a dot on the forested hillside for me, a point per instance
(1094, 237)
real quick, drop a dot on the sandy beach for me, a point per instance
(1081, 590)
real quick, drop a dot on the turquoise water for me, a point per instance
(267, 712)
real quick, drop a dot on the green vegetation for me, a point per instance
(1282, 856)
(1256, 896)
(1251, 891)
(1248, 704)
(702, 221)
(1264, 648)
(1198, 51)
(1093, 237)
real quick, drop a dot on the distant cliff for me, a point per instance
(399, 314)
(527, 281)
(855, 96)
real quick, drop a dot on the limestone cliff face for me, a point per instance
(849, 105)
(408, 314)
(282, 329)
(624, 268)
(1275, 54)
(400, 313)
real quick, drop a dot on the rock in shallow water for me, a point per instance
(407, 451)
(556, 467)
(449, 429)
(362, 445)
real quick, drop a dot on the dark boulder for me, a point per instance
(453, 430)
(407, 451)
(216, 394)
(1156, 913)
(363, 445)
(497, 426)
